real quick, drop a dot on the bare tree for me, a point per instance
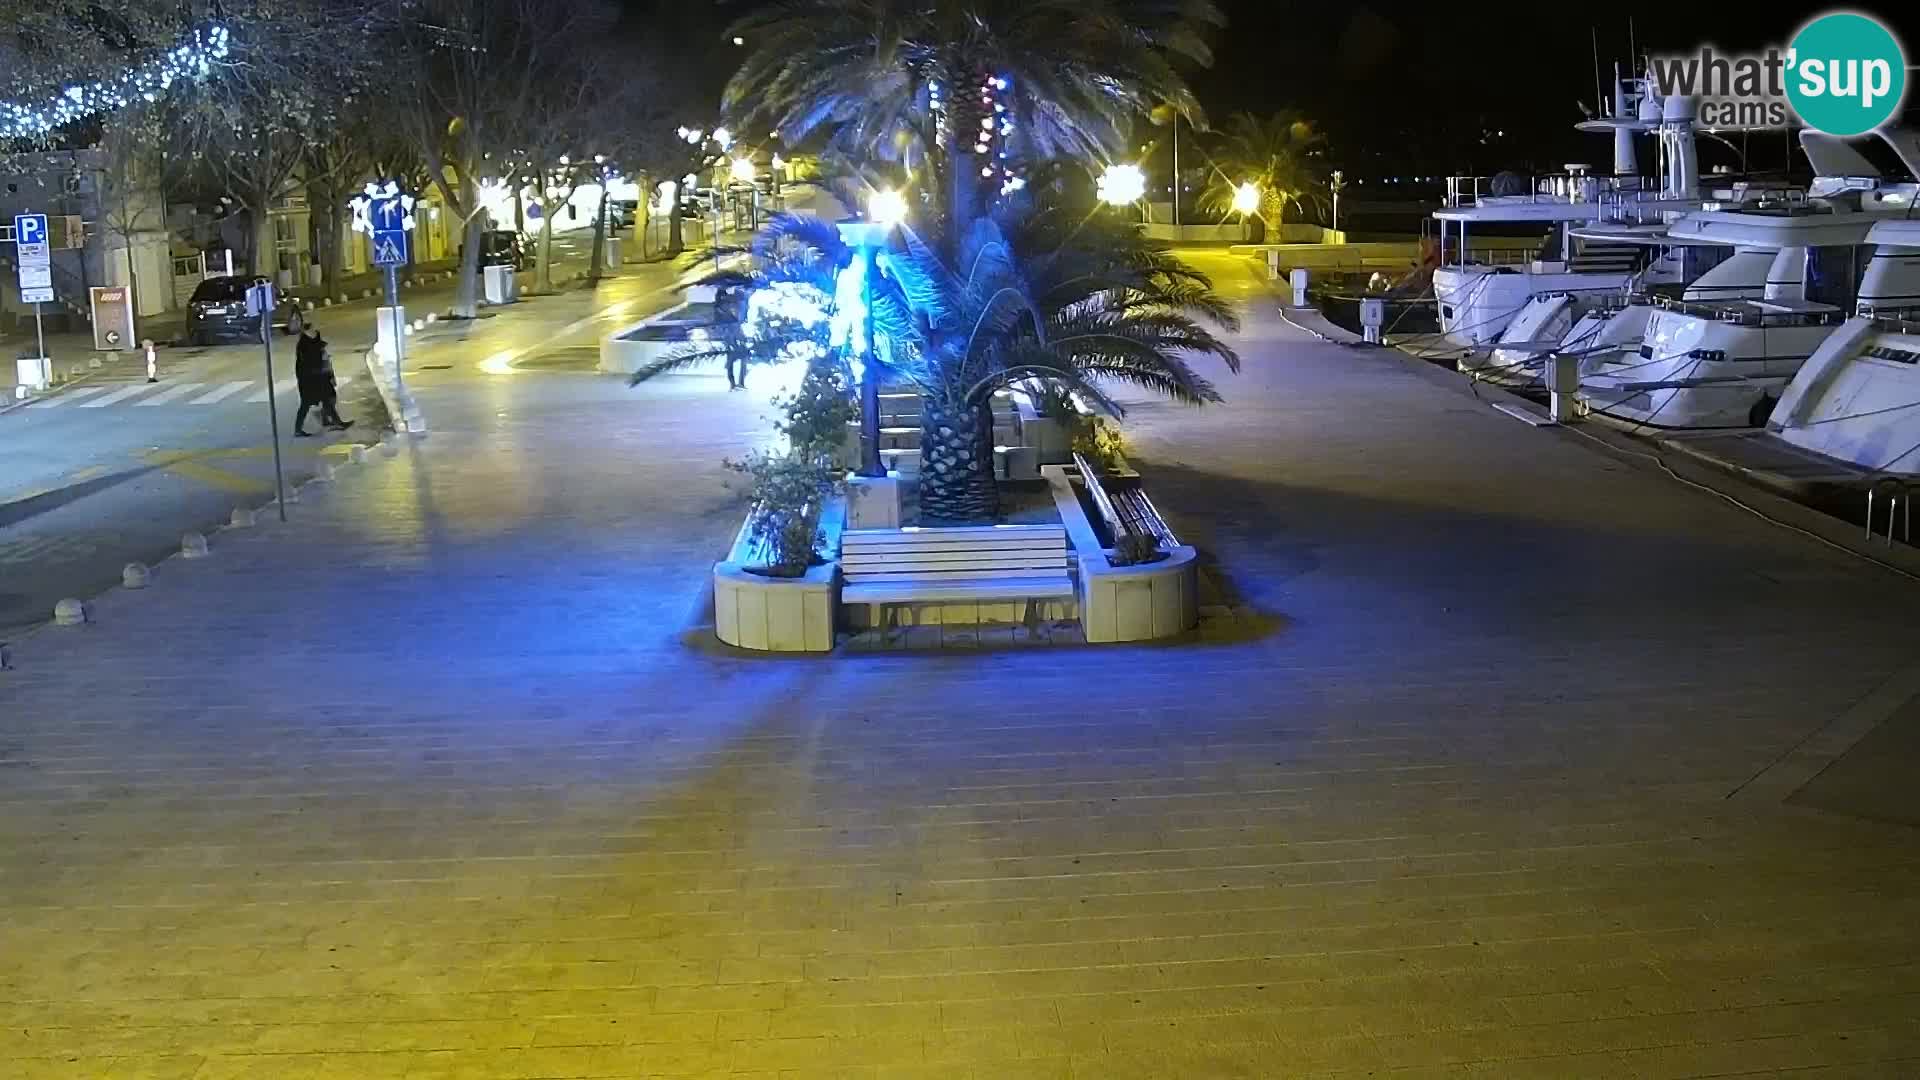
(133, 169)
(284, 89)
(467, 75)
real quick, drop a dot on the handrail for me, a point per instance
(1741, 313)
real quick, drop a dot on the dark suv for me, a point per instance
(217, 313)
(502, 247)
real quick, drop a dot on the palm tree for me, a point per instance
(903, 80)
(1278, 154)
(1036, 293)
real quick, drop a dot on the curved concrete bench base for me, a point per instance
(1139, 603)
(1126, 603)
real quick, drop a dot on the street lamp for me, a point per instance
(1339, 181)
(1122, 185)
(742, 170)
(888, 208)
(853, 304)
(1246, 198)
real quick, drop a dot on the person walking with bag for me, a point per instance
(313, 371)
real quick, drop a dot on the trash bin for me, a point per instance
(501, 286)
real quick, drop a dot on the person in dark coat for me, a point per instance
(313, 370)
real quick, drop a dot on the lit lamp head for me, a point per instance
(1246, 198)
(1122, 185)
(888, 208)
(742, 170)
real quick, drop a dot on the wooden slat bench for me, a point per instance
(879, 567)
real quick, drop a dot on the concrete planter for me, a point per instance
(768, 614)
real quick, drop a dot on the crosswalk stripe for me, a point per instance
(279, 388)
(71, 395)
(225, 390)
(171, 393)
(117, 396)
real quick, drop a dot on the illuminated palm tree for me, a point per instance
(1278, 155)
(1037, 293)
(903, 80)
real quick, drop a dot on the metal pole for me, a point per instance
(1176, 168)
(39, 336)
(870, 464)
(399, 333)
(273, 413)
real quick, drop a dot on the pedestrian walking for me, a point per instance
(313, 371)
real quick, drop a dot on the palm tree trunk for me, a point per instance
(956, 463)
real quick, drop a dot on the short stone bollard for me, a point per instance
(69, 612)
(242, 518)
(389, 448)
(193, 546)
(135, 575)
(357, 454)
(292, 496)
(322, 472)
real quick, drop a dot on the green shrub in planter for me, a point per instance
(791, 486)
(1135, 549)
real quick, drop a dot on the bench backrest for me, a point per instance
(1008, 551)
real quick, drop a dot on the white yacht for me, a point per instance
(1479, 293)
(1858, 398)
(1722, 354)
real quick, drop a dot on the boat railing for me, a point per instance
(1899, 320)
(1547, 188)
(1904, 318)
(1747, 313)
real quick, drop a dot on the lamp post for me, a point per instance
(1339, 181)
(885, 209)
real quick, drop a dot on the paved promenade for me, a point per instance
(1504, 775)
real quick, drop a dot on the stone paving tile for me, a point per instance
(443, 779)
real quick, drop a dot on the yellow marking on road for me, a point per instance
(89, 473)
(26, 496)
(186, 463)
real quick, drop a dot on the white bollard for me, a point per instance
(135, 575)
(153, 363)
(322, 472)
(389, 448)
(357, 454)
(242, 518)
(193, 546)
(69, 612)
(1299, 282)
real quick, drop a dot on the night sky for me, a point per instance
(1402, 88)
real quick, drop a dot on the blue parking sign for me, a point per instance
(30, 228)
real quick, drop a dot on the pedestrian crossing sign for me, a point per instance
(389, 247)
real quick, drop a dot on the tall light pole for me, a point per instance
(1339, 181)
(885, 209)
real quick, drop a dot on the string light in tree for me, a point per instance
(190, 61)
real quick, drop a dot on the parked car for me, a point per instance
(502, 247)
(621, 213)
(217, 312)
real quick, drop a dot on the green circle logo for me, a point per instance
(1846, 74)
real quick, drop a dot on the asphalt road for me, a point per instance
(117, 470)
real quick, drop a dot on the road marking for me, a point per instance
(91, 472)
(191, 465)
(71, 395)
(225, 390)
(117, 396)
(279, 388)
(170, 393)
